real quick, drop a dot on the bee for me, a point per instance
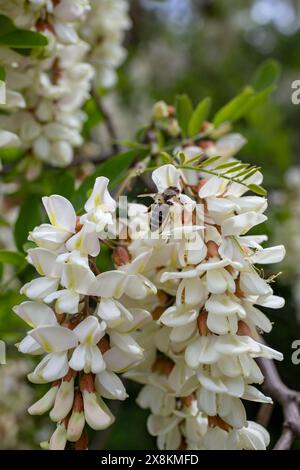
(160, 209)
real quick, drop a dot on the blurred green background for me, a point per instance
(198, 47)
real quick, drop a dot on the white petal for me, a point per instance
(191, 290)
(35, 314)
(110, 284)
(90, 330)
(60, 212)
(44, 262)
(126, 343)
(212, 187)
(96, 413)
(252, 283)
(108, 385)
(39, 288)
(54, 338)
(241, 224)
(67, 301)
(85, 241)
(49, 237)
(45, 403)
(28, 345)
(54, 366)
(175, 316)
(202, 350)
(100, 196)
(253, 394)
(166, 176)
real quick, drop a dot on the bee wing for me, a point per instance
(159, 216)
(148, 195)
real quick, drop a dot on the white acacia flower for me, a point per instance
(55, 341)
(62, 224)
(87, 356)
(208, 321)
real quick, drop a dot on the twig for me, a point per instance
(288, 399)
(108, 122)
(265, 413)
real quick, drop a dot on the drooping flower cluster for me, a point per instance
(50, 87)
(200, 353)
(46, 90)
(78, 319)
(104, 31)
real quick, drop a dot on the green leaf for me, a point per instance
(181, 157)
(199, 116)
(2, 74)
(267, 75)
(259, 99)
(257, 189)
(94, 116)
(235, 109)
(184, 110)
(113, 169)
(63, 184)
(12, 327)
(209, 161)
(29, 217)
(226, 165)
(236, 168)
(22, 39)
(14, 258)
(250, 173)
(165, 158)
(6, 25)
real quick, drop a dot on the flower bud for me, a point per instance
(45, 403)
(96, 413)
(63, 401)
(77, 421)
(174, 128)
(121, 256)
(160, 110)
(58, 439)
(212, 249)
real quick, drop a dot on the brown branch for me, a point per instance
(264, 414)
(288, 399)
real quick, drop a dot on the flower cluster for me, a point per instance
(79, 318)
(189, 261)
(46, 90)
(200, 353)
(104, 31)
(50, 119)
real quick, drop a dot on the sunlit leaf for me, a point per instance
(235, 109)
(184, 110)
(199, 116)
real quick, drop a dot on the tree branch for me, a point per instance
(288, 399)
(264, 414)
